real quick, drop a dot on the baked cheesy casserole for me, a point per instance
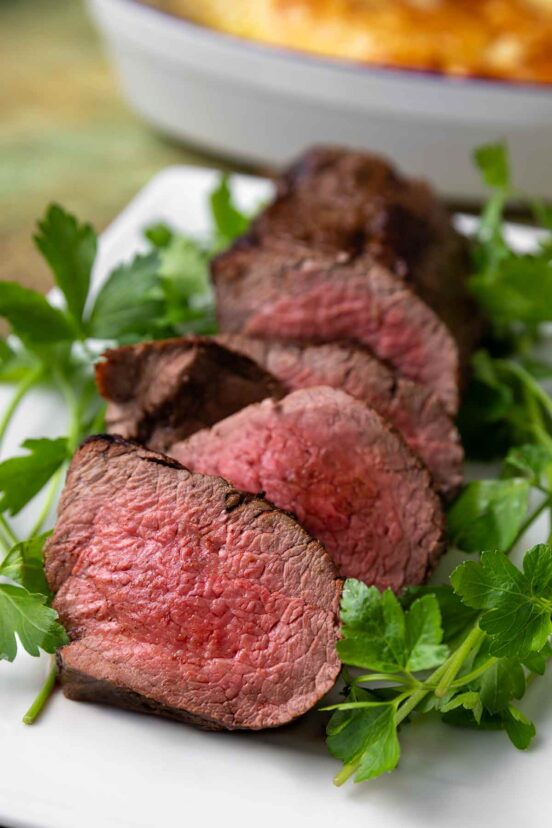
(509, 39)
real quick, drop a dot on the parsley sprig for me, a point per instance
(474, 678)
(468, 650)
(505, 405)
(54, 344)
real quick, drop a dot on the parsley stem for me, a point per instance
(43, 695)
(454, 663)
(26, 383)
(8, 531)
(542, 435)
(391, 677)
(531, 519)
(525, 377)
(467, 677)
(345, 772)
(4, 542)
(439, 675)
(48, 501)
(356, 705)
(535, 413)
(74, 407)
(420, 694)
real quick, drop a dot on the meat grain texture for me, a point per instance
(351, 480)
(284, 290)
(185, 598)
(349, 248)
(346, 200)
(410, 408)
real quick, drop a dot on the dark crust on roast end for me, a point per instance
(163, 391)
(383, 215)
(160, 346)
(117, 440)
(233, 499)
(78, 686)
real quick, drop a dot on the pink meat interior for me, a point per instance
(397, 326)
(230, 614)
(334, 463)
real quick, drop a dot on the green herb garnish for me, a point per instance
(484, 636)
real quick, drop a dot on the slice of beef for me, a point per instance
(155, 373)
(163, 391)
(283, 290)
(409, 407)
(186, 598)
(336, 464)
(357, 202)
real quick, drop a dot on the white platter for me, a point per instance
(262, 104)
(85, 766)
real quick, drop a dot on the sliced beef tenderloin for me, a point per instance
(409, 407)
(283, 290)
(347, 476)
(185, 598)
(357, 202)
(163, 391)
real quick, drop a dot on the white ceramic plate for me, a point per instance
(262, 104)
(86, 766)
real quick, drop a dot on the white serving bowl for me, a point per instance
(261, 104)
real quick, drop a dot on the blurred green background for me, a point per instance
(65, 133)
